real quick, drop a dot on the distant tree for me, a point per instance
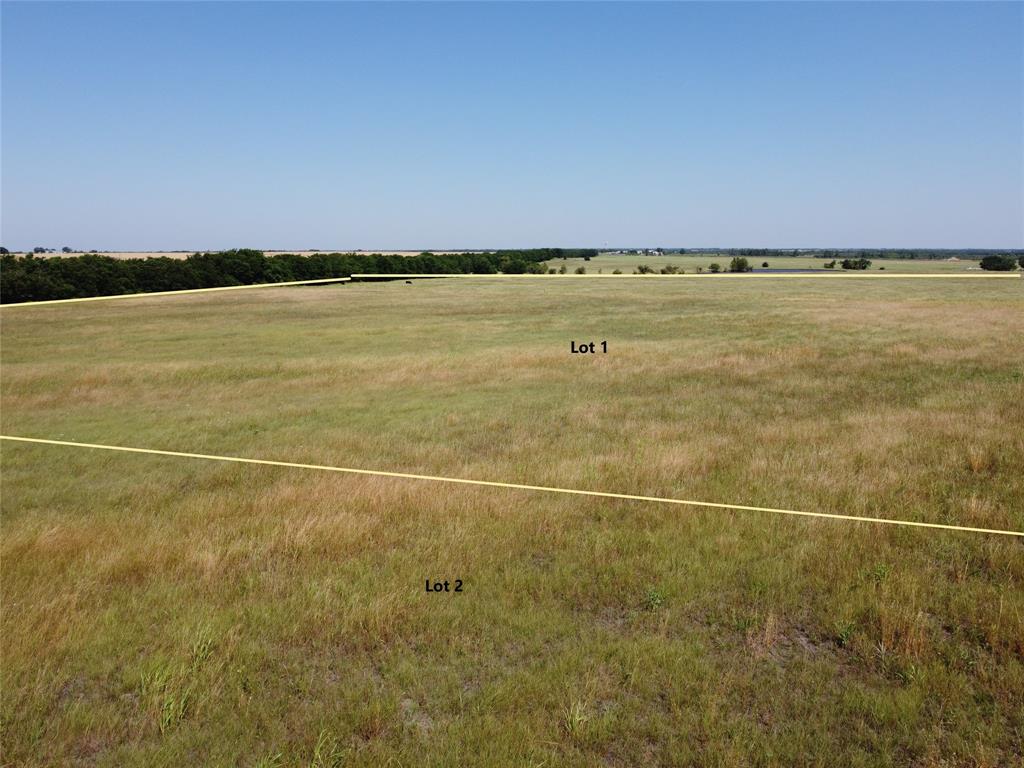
(616, 271)
(830, 264)
(580, 270)
(4, 251)
(764, 265)
(714, 268)
(513, 266)
(644, 269)
(65, 249)
(998, 263)
(586, 258)
(1020, 262)
(739, 264)
(561, 270)
(39, 249)
(858, 263)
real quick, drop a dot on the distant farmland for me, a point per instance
(628, 263)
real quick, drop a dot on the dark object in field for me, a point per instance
(408, 282)
(998, 263)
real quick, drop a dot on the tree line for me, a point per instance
(29, 278)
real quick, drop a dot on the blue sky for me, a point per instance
(343, 125)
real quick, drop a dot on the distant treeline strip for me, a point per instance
(931, 254)
(29, 278)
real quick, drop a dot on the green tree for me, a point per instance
(998, 263)
(739, 264)
(714, 268)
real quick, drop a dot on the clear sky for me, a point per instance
(138, 126)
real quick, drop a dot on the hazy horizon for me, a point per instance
(162, 126)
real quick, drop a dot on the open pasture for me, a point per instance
(161, 611)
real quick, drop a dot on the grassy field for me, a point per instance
(608, 262)
(162, 611)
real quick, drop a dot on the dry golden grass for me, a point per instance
(163, 611)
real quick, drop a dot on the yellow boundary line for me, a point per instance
(708, 275)
(513, 486)
(175, 293)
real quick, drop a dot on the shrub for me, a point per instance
(860, 263)
(714, 268)
(998, 263)
(739, 264)
(580, 270)
(643, 269)
(671, 269)
(764, 265)
(616, 271)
